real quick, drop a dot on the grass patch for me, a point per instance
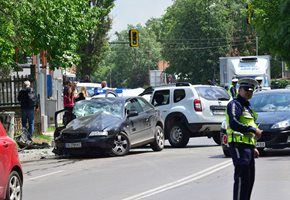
(51, 129)
(40, 138)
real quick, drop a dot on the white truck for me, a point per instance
(245, 67)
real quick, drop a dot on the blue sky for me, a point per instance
(136, 11)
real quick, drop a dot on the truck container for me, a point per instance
(245, 67)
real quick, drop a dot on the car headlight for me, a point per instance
(282, 124)
(98, 133)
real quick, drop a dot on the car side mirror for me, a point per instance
(132, 113)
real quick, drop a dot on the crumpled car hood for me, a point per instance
(98, 121)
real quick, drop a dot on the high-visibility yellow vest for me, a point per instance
(229, 91)
(247, 138)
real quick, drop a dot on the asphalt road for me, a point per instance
(199, 171)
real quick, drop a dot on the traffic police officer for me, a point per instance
(243, 133)
(259, 86)
(233, 88)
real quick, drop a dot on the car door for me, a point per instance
(149, 113)
(137, 122)
(161, 101)
(4, 158)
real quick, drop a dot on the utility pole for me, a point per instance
(257, 45)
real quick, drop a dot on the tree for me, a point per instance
(272, 22)
(7, 51)
(192, 34)
(56, 26)
(93, 51)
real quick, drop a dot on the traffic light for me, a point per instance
(133, 38)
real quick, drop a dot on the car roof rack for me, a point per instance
(182, 84)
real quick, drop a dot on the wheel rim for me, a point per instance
(14, 188)
(120, 145)
(176, 134)
(160, 138)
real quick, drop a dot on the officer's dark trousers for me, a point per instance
(244, 162)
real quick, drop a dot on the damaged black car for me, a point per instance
(112, 124)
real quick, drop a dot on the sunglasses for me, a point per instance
(248, 89)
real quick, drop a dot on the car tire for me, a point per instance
(217, 139)
(227, 153)
(178, 136)
(158, 143)
(121, 145)
(14, 186)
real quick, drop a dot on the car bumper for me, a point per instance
(275, 139)
(205, 129)
(89, 145)
(269, 139)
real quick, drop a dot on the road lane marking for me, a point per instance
(181, 181)
(44, 175)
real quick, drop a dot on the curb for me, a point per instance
(35, 154)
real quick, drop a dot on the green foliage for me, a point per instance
(93, 51)
(56, 26)
(128, 66)
(276, 83)
(6, 33)
(272, 25)
(195, 34)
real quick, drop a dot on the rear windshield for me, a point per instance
(213, 93)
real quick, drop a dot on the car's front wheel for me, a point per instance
(14, 187)
(121, 145)
(226, 153)
(158, 143)
(178, 135)
(217, 139)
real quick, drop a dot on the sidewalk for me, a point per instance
(26, 155)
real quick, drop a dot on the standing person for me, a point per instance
(74, 89)
(233, 88)
(259, 86)
(68, 103)
(28, 102)
(82, 94)
(243, 133)
(84, 91)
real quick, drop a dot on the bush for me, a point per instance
(278, 83)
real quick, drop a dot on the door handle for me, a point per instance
(5, 144)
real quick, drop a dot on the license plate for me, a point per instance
(218, 112)
(73, 145)
(260, 144)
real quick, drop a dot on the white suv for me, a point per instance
(190, 111)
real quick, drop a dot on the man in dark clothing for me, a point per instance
(243, 133)
(233, 88)
(28, 102)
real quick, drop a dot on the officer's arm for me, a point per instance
(235, 111)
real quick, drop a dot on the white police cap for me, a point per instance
(248, 83)
(235, 80)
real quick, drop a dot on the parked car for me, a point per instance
(190, 111)
(273, 109)
(112, 124)
(11, 175)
